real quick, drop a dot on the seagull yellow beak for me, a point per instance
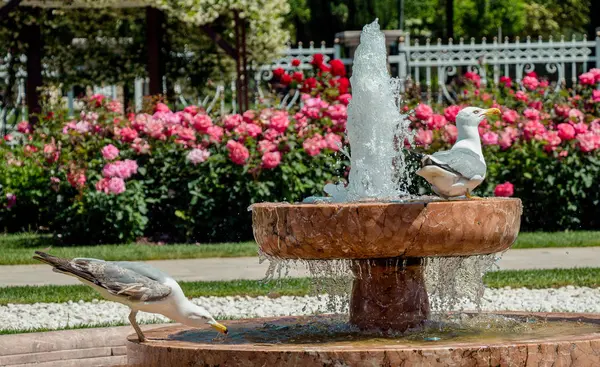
(491, 111)
(220, 327)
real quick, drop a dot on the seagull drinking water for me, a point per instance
(139, 286)
(458, 171)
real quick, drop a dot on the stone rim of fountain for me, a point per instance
(560, 349)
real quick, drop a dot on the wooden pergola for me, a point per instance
(155, 67)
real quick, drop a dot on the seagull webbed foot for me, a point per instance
(469, 196)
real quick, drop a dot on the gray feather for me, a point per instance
(460, 161)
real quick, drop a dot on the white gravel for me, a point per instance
(59, 315)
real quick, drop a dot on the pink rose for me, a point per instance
(313, 145)
(505, 190)
(576, 115)
(580, 128)
(116, 185)
(345, 98)
(450, 133)
(596, 73)
(23, 127)
(505, 140)
(595, 126)
(451, 112)
(490, 138)
(507, 81)
(566, 131)
(532, 114)
(238, 153)
(249, 116)
(161, 107)
(534, 130)
(436, 122)
(201, 123)
(588, 142)
(596, 95)
(521, 96)
(473, 77)
(333, 141)
(196, 156)
(232, 121)
(271, 160)
(115, 106)
(110, 152)
(587, 79)
(552, 139)
(531, 83)
(128, 134)
(510, 116)
(265, 146)
(215, 133)
(192, 110)
(271, 134)
(423, 112)
(11, 200)
(122, 169)
(536, 104)
(424, 137)
(77, 179)
(279, 121)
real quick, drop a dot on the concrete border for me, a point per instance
(68, 348)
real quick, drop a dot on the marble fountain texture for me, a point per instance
(389, 241)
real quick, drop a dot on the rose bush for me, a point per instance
(190, 176)
(185, 176)
(544, 148)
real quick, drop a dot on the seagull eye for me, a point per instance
(476, 112)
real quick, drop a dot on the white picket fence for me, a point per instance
(430, 66)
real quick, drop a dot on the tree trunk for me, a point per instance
(449, 18)
(154, 41)
(32, 37)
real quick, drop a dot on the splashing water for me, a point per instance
(375, 126)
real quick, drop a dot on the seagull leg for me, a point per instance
(469, 196)
(136, 327)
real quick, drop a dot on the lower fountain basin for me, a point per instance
(370, 230)
(537, 339)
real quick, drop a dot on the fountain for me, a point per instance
(388, 240)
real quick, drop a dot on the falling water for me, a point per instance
(375, 126)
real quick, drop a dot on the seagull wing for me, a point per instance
(118, 280)
(463, 162)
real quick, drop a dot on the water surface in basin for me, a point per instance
(333, 330)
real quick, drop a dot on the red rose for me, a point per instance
(317, 59)
(337, 67)
(286, 79)
(309, 84)
(296, 62)
(278, 72)
(506, 189)
(343, 85)
(324, 68)
(298, 76)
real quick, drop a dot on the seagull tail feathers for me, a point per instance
(63, 266)
(49, 259)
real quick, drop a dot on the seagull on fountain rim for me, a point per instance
(458, 171)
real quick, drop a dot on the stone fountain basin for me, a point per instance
(370, 230)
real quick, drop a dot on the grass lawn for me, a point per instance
(588, 277)
(18, 249)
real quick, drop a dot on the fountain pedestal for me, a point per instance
(388, 294)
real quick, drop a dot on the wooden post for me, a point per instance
(154, 43)
(32, 37)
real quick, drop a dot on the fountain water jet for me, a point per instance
(387, 244)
